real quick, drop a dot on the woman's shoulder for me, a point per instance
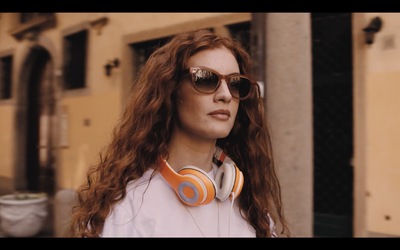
(144, 196)
(150, 185)
(142, 183)
(142, 180)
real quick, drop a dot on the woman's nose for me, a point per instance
(223, 92)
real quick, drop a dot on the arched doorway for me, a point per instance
(36, 113)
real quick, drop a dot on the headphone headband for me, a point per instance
(219, 156)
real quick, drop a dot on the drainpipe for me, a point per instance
(257, 48)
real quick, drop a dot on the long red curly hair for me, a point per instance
(145, 128)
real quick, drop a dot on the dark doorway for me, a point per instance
(333, 124)
(40, 119)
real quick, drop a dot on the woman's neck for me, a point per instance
(184, 152)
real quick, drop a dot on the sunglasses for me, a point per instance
(207, 81)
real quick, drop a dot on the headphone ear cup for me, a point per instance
(229, 179)
(197, 188)
(238, 186)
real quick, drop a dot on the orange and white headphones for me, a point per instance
(195, 187)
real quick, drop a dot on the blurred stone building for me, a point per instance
(330, 83)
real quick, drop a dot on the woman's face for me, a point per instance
(208, 116)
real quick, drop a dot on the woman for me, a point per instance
(191, 156)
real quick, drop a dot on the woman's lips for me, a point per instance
(221, 114)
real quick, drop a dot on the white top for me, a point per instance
(151, 208)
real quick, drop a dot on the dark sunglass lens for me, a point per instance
(240, 86)
(205, 80)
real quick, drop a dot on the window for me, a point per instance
(32, 23)
(241, 32)
(143, 50)
(5, 77)
(29, 16)
(75, 60)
